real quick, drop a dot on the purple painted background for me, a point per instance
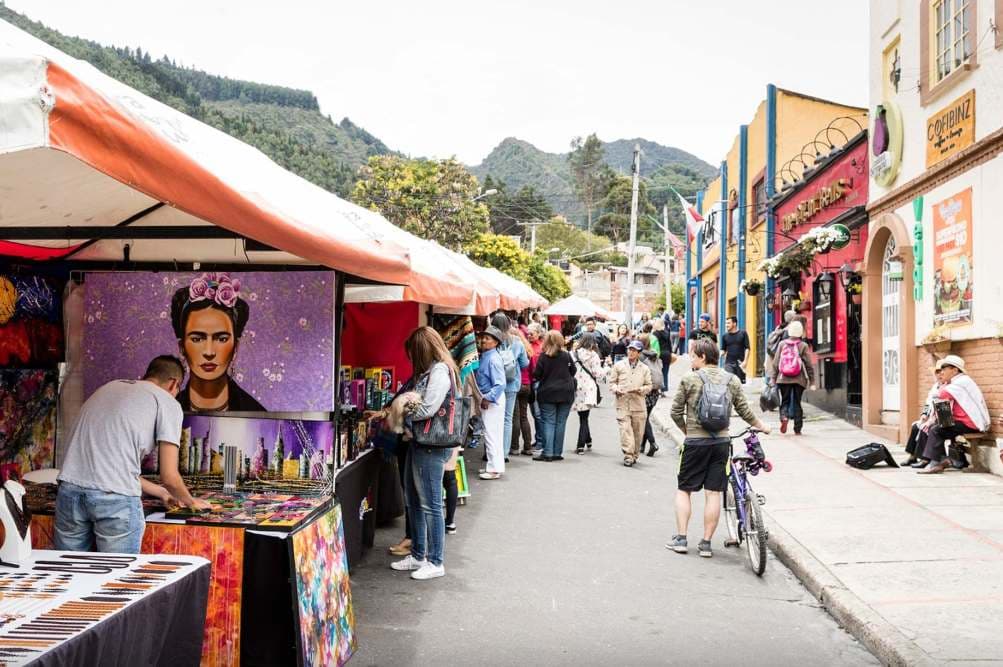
(285, 358)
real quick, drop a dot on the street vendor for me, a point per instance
(100, 487)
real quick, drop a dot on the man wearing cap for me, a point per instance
(704, 331)
(968, 412)
(490, 377)
(630, 382)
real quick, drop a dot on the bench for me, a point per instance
(969, 443)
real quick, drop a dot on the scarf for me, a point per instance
(967, 394)
(458, 333)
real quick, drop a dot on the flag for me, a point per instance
(693, 218)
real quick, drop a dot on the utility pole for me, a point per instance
(668, 259)
(532, 233)
(633, 236)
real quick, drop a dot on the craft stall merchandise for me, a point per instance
(267, 462)
(54, 598)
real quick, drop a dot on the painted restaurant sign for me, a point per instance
(822, 199)
(951, 130)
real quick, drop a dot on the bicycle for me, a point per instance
(743, 517)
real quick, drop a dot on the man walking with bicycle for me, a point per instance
(702, 410)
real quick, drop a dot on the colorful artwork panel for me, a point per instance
(264, 511)
(267, 336)
(225, 548)
(274, 448)
(28, 418)
(953, 266)
(323, 594)
(31, 329)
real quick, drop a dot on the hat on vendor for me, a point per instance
(636, 345)
(495, 333)
(952, 360)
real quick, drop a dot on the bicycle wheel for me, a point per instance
(731, 521)
(755, 533)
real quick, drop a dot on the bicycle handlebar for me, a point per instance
(750, 429)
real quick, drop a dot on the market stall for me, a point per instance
(88, 609)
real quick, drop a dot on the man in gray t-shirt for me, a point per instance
(99, 484)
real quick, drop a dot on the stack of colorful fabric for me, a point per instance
(458, 332)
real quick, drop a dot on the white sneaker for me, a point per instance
(408, 564)
(429, 571)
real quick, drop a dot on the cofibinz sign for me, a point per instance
(951, 130)
(822, 199)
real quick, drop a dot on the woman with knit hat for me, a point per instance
(793, 372)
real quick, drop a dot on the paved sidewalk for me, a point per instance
(912, 565)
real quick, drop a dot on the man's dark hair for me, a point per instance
(590, 319)
(164, 369)
(732, 318)
(708, 350)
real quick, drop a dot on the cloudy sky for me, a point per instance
(454, 77)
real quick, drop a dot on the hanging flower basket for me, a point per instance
(857, 298)
(751, 287)
(856, 291)
(792, 261)
(938, 341)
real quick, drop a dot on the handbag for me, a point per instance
(448, 426)
(589, 373)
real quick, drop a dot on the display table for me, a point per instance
(66, 608)
(275, 597)
(357, 487)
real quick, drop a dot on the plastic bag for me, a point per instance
(769, 400)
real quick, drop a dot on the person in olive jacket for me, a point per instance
(555, 372)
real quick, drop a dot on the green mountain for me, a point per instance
(518, 163)
(284, 123)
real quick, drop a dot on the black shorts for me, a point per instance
(703, 466)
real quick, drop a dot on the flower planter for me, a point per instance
(857, 299)
(938, 346)
(752, 290)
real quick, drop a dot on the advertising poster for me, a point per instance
(952, 260)
(251, 342)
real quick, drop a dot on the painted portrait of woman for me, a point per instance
(209, 318)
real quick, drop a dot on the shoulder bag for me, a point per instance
(448, 426)
(589, 373)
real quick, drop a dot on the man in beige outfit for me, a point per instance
(630, 382)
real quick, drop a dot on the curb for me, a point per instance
(885, 641)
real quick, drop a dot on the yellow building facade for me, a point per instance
(737, 217)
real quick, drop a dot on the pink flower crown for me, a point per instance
(216, 287)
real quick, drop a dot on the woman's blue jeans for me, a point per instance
(553, 418)
(423, 486)
(510, 402)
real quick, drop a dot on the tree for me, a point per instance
(508, 210)
(685, 181)
(678, 298)
(615, 221)
(590, 172)
(584, 249)
(433, 199)
(504, 254)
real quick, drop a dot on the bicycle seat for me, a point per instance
(742, 457)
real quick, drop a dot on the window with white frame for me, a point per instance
(952, 20)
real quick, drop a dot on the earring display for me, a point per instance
(65, 594)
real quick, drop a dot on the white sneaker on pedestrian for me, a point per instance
(429, 571)
(408, 564)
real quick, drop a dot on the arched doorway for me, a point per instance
(890, 388)
(891, 329)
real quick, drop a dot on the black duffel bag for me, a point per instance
(869, 455)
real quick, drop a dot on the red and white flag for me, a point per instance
(693, 218)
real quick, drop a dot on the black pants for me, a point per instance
(649, 434)
(401, 465)
(584, 433)
(790, 404)
(520, 421)
(452, 494)
(935, 449)
(916, 443)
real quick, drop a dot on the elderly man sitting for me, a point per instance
(968, 409)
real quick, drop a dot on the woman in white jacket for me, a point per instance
(590, 371)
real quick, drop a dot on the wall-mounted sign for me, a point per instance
(886, 143)
(843, 238)
(952, 260)
(951, 130)
(818, 202)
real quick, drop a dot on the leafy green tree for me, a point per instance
(590, 173)
(685, 181)
(432, 199)
(509, 210)
(584, 249)
(615, 221)
(678, 298)
(504, 254)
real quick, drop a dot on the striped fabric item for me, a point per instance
(458, 332)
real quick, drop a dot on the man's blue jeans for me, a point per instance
(109, 522)
(423, 486)
(553, 418)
